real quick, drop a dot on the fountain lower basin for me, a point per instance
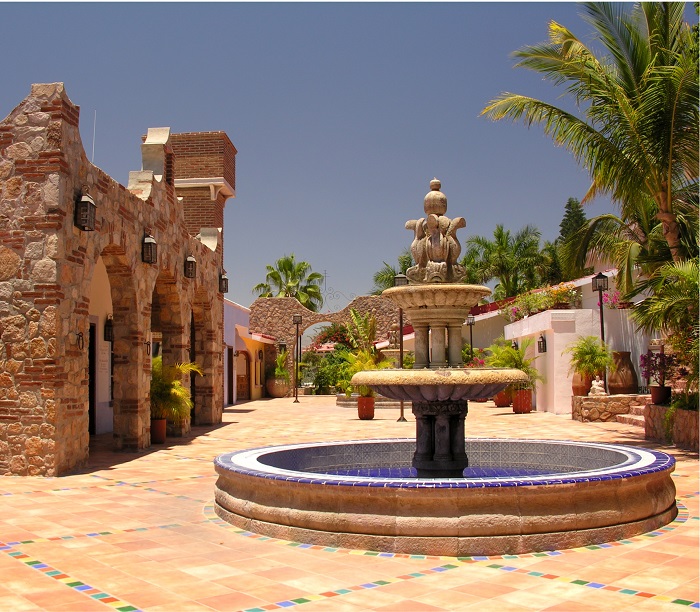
(518, 496)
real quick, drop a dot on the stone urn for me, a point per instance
(581, 384)
(622, 379)
(277, 387)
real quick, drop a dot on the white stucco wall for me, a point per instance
(100, 307)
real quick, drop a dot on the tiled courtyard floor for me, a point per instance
(137, 531)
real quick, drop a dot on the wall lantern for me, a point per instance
(109, 329)
(260, 355)
(80, 340)
(149, 249)
(147, 344)
(514, 344)
(85, 209)
(190, 267)
(541, 345)
(223, 282)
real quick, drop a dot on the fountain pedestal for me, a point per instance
(440, 450)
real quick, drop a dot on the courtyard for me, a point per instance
(137, 531)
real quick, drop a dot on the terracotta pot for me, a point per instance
(522, 401)
(624, 379)
(660, 395)
(365, 408)
(581, 384)
(158, 427)
(277, 387)
(502, 399)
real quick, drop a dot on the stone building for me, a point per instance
(83, 306)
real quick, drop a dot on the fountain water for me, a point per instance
(455, 496)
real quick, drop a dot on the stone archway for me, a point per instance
(273, 317)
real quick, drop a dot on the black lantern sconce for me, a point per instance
(223, 282)
(85, 209)
(190, 267)
(108, 333)
(541, 344)
(147, 344)
(514, 344)
(149, 249)
(80, 340)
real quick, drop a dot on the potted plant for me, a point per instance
(277, 380)
(589, 358)
(358, 362)
(170, 399)
(496, 356)
(504, 355)
(658, 367)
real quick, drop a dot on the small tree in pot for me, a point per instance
(589, 358)
(658, 367)
(359, 362)
(277, 381)
(170, 399)
(509, 356)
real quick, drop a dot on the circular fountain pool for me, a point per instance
(515, 496)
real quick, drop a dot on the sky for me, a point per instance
(341, 113)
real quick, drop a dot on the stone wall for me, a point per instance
(46, 270)
(604, 408)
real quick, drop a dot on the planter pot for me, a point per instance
(365, 408)
(502, 399)
(660, 395)
(522, 401)
(624, 379)
(581, 384)
(158, 427)
(277, 387)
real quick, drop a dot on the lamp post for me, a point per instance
(600, 284)
(296, 319)
(470, 322)
(401, 280)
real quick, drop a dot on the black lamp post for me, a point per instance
(600, 284)
(296, 319)
(470, 322)
(400, 280)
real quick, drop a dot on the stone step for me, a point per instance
(631, 419)
(637, 410)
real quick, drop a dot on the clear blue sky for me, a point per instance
(341, 114)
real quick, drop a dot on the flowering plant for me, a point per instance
(539, 300)
(611, 299)
(657, 366)
(477, 361)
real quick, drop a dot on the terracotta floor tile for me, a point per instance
(162, 554)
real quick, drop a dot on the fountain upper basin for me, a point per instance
(448, 384)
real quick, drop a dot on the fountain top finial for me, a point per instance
(435, 202)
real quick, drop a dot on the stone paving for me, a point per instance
(137, 531)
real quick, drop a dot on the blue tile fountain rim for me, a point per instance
(550, 460)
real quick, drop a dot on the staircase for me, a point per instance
(634, 418)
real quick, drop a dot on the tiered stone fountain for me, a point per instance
(451, 496)
(437, 302)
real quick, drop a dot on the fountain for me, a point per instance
(452, 495)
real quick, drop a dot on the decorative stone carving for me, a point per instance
(435, 248)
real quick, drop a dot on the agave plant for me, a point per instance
(170, 399)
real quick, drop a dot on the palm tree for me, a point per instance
(291, 278)
(672, 307)
(638, 137)
(384, 278)
(511, 259)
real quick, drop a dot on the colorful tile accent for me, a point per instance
(484, 561)
(76, 585)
